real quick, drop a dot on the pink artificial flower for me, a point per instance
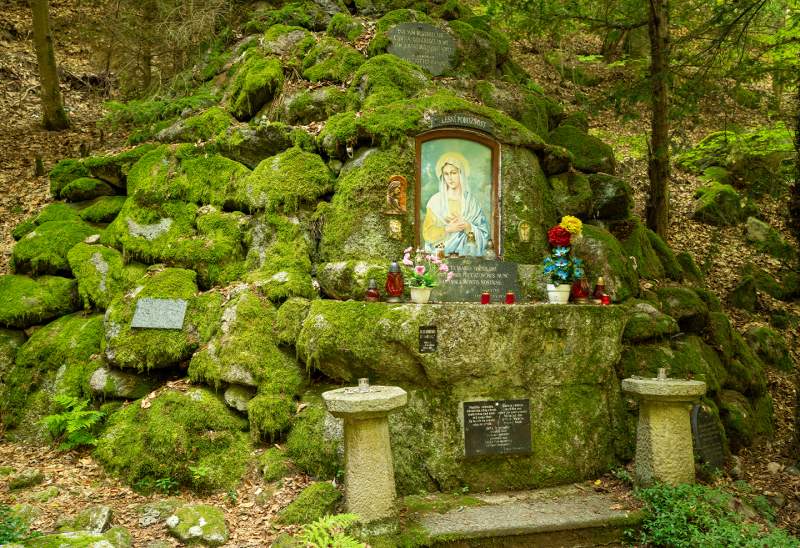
(408, 250)
(450, 275)
(419, 270)
(444, 268)
(434, 259)
(407, 260)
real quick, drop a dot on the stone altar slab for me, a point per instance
(474, 276)
(159, 313)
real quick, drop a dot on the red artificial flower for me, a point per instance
(559, 236)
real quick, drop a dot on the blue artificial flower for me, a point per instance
(578, 273)
(562, 263)
(560, 251)
(549, 268)
(562, 274)
(577, 262)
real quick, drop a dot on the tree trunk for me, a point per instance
(54, 117)
(794, 199)
(658, 162)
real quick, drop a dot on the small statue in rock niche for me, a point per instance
(396, 195)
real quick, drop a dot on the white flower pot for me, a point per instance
(420, 295)
(558, 294)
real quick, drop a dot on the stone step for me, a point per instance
(573, 516)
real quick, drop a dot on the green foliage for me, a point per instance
(13, 528)
(329, 532)
(168, 485)
(687, 516)
(75, 425)
(343, 25)
(313, 502)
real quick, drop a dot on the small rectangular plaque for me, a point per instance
(473, 276)
(159, 313)
(424, 45)
(498, 427)
(708, 443)
(427, 339)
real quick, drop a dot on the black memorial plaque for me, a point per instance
(708, 443)
(499, 427)
(427, 339)
(472, 276)
(461, 119)
(424, 45)
(159, 313)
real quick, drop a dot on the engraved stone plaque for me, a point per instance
(472, 276)
(708, 444)
(499, 427)
(424, 45)
(427, 339)
(159, 313)
(461, 119)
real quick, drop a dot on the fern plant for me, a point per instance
(75, 425)
(329, 532)
(12, 527)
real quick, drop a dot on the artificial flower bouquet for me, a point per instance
(424, 270)
(561, 267)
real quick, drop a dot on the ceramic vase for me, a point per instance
(558, 294)
(420, 295)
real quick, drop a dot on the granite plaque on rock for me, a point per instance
(424, 45)
(473, 276)
(499, 427)
(461, 119)
(427, 339)
(707, 437)
(159, 313)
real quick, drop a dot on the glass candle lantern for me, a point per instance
(394, 283)
(372, 294)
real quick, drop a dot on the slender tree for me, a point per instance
(657, 211)
(54, 117)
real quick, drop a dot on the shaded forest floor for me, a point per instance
(722, 251)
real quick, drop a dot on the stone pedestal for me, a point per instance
(369, 472)
(664, 435)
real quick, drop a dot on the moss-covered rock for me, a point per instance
(691, 272)
(178, 430)
(767, 239)
(349, 279)
(647, 322)
(141, 348)
(637, 245)
(85, 188)
(25, 302)
(710, 151)
(313, 105)
(534, 110)
(384, 79)
(23, 479)
(719, 334)
(344, 26)
(64, 172)
(770, 347)
(198, 524)
(114, 168)
(683, 304)
(44, 250)
(286, 181)
(249, 145)
(315, 501)
(672, 266)
(590, 153)
(103, 209)
(306, 14)
(746, 371)
(314, 444)
(612, 197)
(737, 416)
(181, 234)
(107, 382)
(479, 51)
(10, 341)
(273, 464)
(717, 204)
(764, 281)
(380, 41)
(289, 320)
(100, 273)
(290, 43)
(94, 519)
(331, 60)
(604, 256)
(744, 295)
(572, 194)
(278, 258)
(200, 127)
(256, 82)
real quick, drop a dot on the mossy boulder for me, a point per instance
(692, 274)
(256, 82)
(177, 430)
(64, 172)
(746, 371)
(534, 110)
(717, 204)
(290, 43)
(770, 347)
(238, 397)
(315, 501)
(116, 537)
(58, 211)
(604, 256)
(142, 348)
(23, 479)
(683, 304)
(286, 181)
(330, 60)
(307, 14)
(198, 524)
(103, 209)
(764, 281)
(384, 79)
(612, 197)
(572, 193)
(278, 257)
(740, 420)
(744, 295)
(344, 26)
(250, 144)
(85, 188)
(349, 279)
(315, 441)
(479, 51)
(112, 168)
(107, 382)
(94, 519)
(100, 273)
(313, 105)
(273, 464)
(591, 155)
(638, 245)
(10, 341)
(647, 322)
(44, 250)
(767, 239)
(186, 173)
(673, 268)
(719, 334)
(182, 234)
(289, 320)
(200, 127)
(25, 301)
(712, 150)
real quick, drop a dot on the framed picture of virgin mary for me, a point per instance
(457, 193)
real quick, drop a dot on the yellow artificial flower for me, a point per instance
(571, 224)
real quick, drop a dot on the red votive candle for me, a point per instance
(605, 299)
(510, 298)
(486, 297)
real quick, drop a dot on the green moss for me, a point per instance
(85, 188)
(672, 267)
(646, 322)
(309, 445)
(533, 109)
(103, 210)
(23, 228)
(331, 60)
(349, 279)
(571, 193)
(10, 341)
(178, 430)
(286, 181)
(343, 26)
(385, 79)
(764, 281)
(770, 347)
(313, 502)
(308, 15)
(439, 502)
(57, 211)
(99, 271)
(64, 172)
(206, 125)
(114, 168)
(380, 41)
(719, 334)
(683, 304)
(452, 9)
(25, 302)
(273, 464)
(605, 257)
(479, 51)
(717, 204)
(143, 349)
(289, 320)
(768, 240)
(44, 251)
(269, 415)
(314, 105)
(590, 153)
(638, 245)
(257, 81)
(744, 295)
